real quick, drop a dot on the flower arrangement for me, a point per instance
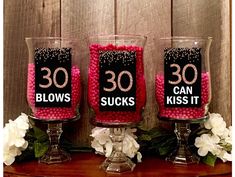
(103, 145)
(24, 141)
(14, 142)
(215, 140)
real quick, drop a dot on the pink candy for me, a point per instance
(93, 86)
(180, 112)
(56, 113)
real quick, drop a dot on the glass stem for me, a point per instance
(117, 136)
(182, 131)
(54, 131)
(117, 162)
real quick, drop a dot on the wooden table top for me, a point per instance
(87, 165)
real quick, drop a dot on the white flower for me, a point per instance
(130, 146)
(131, 132)
(9, 154)
(14, 141)
(97, 146)
(218, 141)
(139, 157)
(228, 139)
(225, 133)
(216, 124)
(108, 148)
(225, 156)
(22, 121)
(230, 131)
(102, 142)
(207, 143)
(101, 135)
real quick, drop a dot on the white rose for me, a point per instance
(207, 143)
(216, 124)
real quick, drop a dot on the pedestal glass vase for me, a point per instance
(116, 90)
(53, 88)
(182, 88)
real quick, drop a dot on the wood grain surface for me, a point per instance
(152, 19)
(81, 18)
(87, 165)
(210, 18)
(24, 18)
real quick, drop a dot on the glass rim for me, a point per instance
(51, 38)
(124, 36)
(187, 38)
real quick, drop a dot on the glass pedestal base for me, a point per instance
(54, 153)
(183, 159)
(118, 162)
(183, 155)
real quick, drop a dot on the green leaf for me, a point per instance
(156, 134)
(145, 137)
(164, 150)
(203, 131)
(209, 159)
(40, 148)
(40, 135)
(142, 127)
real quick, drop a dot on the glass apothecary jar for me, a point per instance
(182, 80)
(53, 85)
(116, 90)
(183, 89)
(54, 88)
(116, 83)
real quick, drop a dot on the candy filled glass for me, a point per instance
(182, 87)
(116, 90)
(53, 87)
